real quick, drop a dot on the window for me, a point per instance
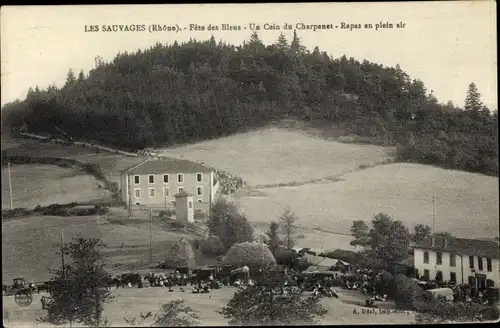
(137, 193)
(488, 264)
(471, 262)
(480, 263)
(165, 178)
(180, 178)
(136, 179)
(166, 192)
(426, 275)
(426, 257)
(173, 202)
(180, 189)
(439, 276)
(453, 260)
(471, 281)
(190, 204)
(151, 192)
(453, 277)
(199, 177)
(199, 191)
(200, 201)
(151, 178)
(439, 258)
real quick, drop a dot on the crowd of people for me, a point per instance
(228, 182)
(461, 292)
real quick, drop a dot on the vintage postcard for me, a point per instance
(250, 164)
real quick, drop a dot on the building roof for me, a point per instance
(168, 165)
(473, 247)
(409, 261)
(319, 260)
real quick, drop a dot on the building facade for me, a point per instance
(464, 261)
(155, 182)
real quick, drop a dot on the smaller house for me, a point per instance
(473, 262)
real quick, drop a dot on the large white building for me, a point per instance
(155, 182)
(464, 261)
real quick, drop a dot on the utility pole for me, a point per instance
(210, 204)
(129, 197)
(110, 191)
(62, 254)
(433, 213)
(10, 190)
(150, 235)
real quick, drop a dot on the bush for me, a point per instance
(440, 311)
(384, 284)
(212, 246)
(178, 225)
(200, 215)
(196, 243)
(101, 210)
(408, 295)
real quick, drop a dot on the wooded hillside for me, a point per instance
(179, 93)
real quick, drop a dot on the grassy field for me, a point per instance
(326, 183)
(276, 155)
(35, 184)
(30, 245)
(110, 163)
(466, 204)
(32, 182)
(129, 303)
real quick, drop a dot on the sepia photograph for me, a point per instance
(250, 164)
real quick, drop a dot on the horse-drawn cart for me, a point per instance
(19, 284)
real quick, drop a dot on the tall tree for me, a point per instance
(359, 230)
(229, 224)
(70, 77)
(422, 232)
(296, 46)
(387, 241)
(287, 224)
(81, 76)
(473, 98)
(264, 304)
(282, 43)
(79, 291)
(274, 236)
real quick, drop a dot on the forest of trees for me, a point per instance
(180, 93)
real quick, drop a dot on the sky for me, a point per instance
(445, 44)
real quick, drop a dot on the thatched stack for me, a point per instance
(249, 254)
(179, 255)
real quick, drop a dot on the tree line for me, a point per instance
(182, 93)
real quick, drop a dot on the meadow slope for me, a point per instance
(275, 155)
(324, 182)
(466, 205)
(35, 184)
(30, 246)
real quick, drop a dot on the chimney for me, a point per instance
(445, 242)
(433, 239)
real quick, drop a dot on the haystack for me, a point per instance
(250, 254)
(180, 255)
